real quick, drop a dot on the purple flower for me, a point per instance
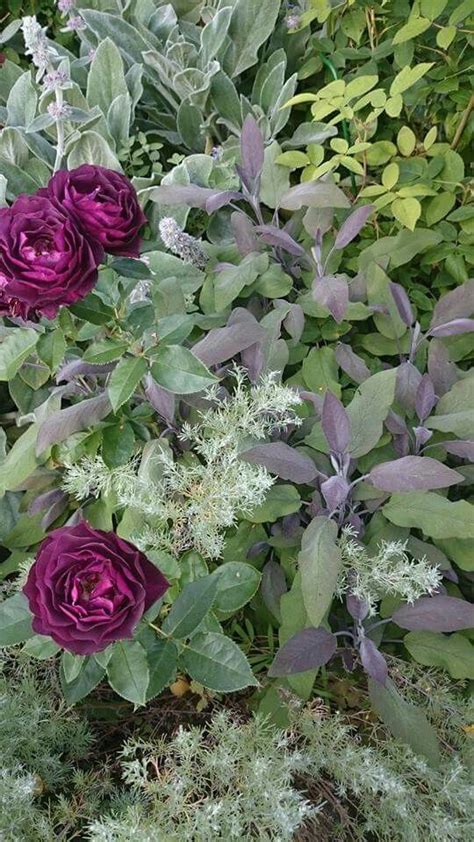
(88, 588)
(103, 203)
(45, 260)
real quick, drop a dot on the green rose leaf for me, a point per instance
(128, 671)
(177, 369)
(125, 379)
(217, 663)
(191, 607)
(15, 620)
(237, 582)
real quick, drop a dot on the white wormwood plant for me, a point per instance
(201, 494)
(389, 571)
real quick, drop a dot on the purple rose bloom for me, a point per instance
(88, 588)
(45, 260)
(104, 204)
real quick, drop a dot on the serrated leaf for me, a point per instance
(15, 620)
(217, 663)
(125, 379)
(14, 350)
(191, 606)
(162, 657)
(237, 583)
(127, 671)
(177, 369)
(89, 676)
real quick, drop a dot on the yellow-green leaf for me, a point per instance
(292, 159)
(390, 176)
(445, 36)
(406, 141)
(408, 76)
(360, 86)
(394, 105)
(414, 27)
(407, 211)
(430, 138)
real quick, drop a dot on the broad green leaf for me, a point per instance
(454, 653)
(407, 211)
(106, 79)
(105, 351)
(445, 36)
(281, 500)
(72, 665)
(406, 722)
(433, 514)
(15, 349)
(408, 76)
(21, 460)
(177, 369)
(368, 410)
(439, 207)
(127, 671)
(229, 283)
(191, 607)
(320, 371)
(250, 26)
(51, 348)
(15, 620)
(88, 677)
(459, 551)
(237, 582)
(275, 179)
(217, 663)
(41, 647)
(162, 657)
(414, 27)
(320, 564)
(92, 148)
(125, 379)
(455, 410)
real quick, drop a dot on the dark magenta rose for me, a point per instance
(104, 204)
(88, 588)
(45, 260)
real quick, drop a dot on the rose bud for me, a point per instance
(45, 260)
(88, 588)
(104, 204)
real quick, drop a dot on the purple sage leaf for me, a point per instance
(352, 225)
(453, 328)
(454, 305)
(442, 371)
(437, 613)
(273, 587)
(425, 398)
(332, 292)
(251, 151)
(219, 200)
(244, 233)
(402, 303)
(306, 650)
(373, 661)
(413, 473)
(281, 239)
(162, 401)
(191, 195)
(223, 343)
(294, 322)
(353, 365)
(335, 423)
(357, 608)
(463, 449)
(284, 461)
(63, 423)
(407, 384)
(335, 491)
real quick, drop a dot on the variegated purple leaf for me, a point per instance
(223, 343)
(63, 423)
(439, 613)
(335, 423)
(294, 322)
(442, 371)
(44, 501)
(407, 384)
(401, 445)
(422, 435)
(219, 200)
(373, 661)
(395, 424)
(335, 491)
(357, 608)
(281, 239)
(79, 368)
(453, 328)
(162, 401)
(54, 510)
(463, 449)
(273, 587)
(244, 233)
(402, 303)
(191, 195)
(413, 473)
(284, 461)
(352, 225)
(251, 152)
(425, 397)
(353, 365)
(306, 650)
(454, 305)
(332, 292)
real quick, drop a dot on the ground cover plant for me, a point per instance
(237, 418)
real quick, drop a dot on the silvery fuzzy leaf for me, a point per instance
(335, 423)
(284, 461)
(407, 384)
(252, 152)
(453, 328)
(413, 473)
(310, 133)
(463, 449)
(281, 239)
(353, 365)
(442, 371)
(454, 305)
(332, 292)
(304, 651)
(314, 194)
(438, 613)
(223, 343)
(425, 397)
(335, 491)
(373, 661)
(191, 195)
(403, 303)
(273, 587)
(352, 225)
